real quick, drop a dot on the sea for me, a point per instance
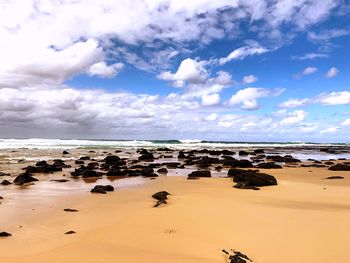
(173, 144)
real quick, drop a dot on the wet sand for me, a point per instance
(305, 218)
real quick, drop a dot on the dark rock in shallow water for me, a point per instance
(199, 174)
(148, 172)
(340, 167)
(329, 163)
(146, 157)
(5, 234)
(243, 153)
(102, 189)
(259, 151)
(162, 171)
(84, 158)
(181, 155)
(85, 172)
(161, 198)
(60, 180)
(65, 152)
(4, 174)
(238, 163)
(79, 162)
(112, 159)
(5, 182)
(269, 166)
(24, 178)
(70, 210)
(334, 177)
(41, 163)
(43, 167)
(70, 232)
(250, 179)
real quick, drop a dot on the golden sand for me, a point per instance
(304, 219)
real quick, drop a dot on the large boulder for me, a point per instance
(146, 157)
(251, 179)
(24, 178)
(237, 163)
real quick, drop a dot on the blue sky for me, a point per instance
(226, 70)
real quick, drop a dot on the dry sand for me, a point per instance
(304, 219)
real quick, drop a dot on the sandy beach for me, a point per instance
(305, 218)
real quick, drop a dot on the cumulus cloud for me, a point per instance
(326, 35)
(190, 71)
(332, 72)
(294, 117)
(210, 99)
(334, 98)
(212, 117)
(249, 79)
(101, 69)
(248, 97)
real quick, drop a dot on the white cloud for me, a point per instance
(247, 97)
(310, 56)
(294, 117)
(242, 52)
(328, 34)
(293, 103)
(330, 130)
(309, 70)
(334, 98)
(210, 99)
(250, 79)
(308, 128)
(212, 117)
(332, 72)
(190, 70)
(101, 69)
(346, 122)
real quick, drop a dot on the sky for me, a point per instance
(230, 70)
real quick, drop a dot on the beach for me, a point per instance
(304, 218)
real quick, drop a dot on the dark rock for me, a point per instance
(60, 163)
(238, 163)
(269, 166)
(43, 169)
(24, 178)
(70, 232)
(259, 151)
(4, 174)
(148, 172)
(112, 159)
(243, 153)
(41, 163)
(146, 157)
(102, 189)
(5, 182)
(227, 152)
(335, 177)
(84, 158)
(251, 178)
(161, 198)
(70, 210)
(162, 171)
(85, 172)
(181, 155)
(239, 257)
(60, 180)
(5, 234)
(116, 172)
(171, 165)
(340, 167)
(79, 162)
(200, 173)
(65, 152)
